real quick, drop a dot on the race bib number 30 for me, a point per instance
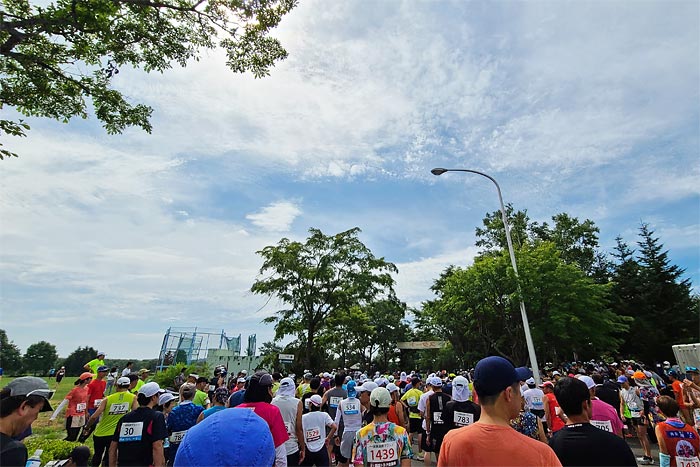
(314, 434)
(381, 453)
(463, 418)
(118, 409)
(687, 461)
(604, 425)
(131, 432)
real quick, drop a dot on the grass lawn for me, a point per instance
(42, 427)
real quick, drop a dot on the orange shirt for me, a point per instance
(678, 392)
(493, 445)
(77, 401)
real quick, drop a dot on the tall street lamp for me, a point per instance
(526, 325)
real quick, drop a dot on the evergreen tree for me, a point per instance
(10, 357)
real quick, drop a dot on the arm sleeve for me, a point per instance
(281, 456)
(58, 410)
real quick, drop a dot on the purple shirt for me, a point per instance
(605, 417)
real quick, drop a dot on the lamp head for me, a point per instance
(438, 171)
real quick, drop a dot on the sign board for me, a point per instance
(420, 345)
(286, 357)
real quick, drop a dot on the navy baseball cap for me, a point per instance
(213, 442)
(493, 374)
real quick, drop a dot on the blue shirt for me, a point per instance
(213, 410)
(236, 398)
(183, 416)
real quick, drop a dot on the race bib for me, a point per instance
(97, 402)
(314, 434)
(380, 453)
(352, 408)
(687, 461)
(412, 400)
(212, 388)
(437, 418)
(463, 418)
(177, 436)
(604, 425)
(118, 409)
(80, 407)
(288, 427)
(537, 403)
(131, 432)
(334, 401)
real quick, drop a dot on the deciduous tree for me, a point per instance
(10, 356)
(40, 357)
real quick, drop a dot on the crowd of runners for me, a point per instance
(493, 414)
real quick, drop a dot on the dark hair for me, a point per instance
(256, 393)
(276, 376)
(414, 382)
(202, 379)
(667, 405)
(129, 363)
(113, 369)
(492, 398)
(571, 393)
(133, 377)
(143, 400)
(597, 378)
(315, 383)
(378, 410)
(339, 379)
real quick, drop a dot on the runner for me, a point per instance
(534, 399)
(496, 381)
(111, 409)
(95, 363)
(460, 411)
(436, 429)
(677, 386)
(291, 410)
(20, 403)
(381, 443)
(138, 438)
(331, 400)
(397, 411)
(76, 400)
(258, 397)
(111, 380)
(555, 417)
(201, 398)
(630, 400)
(238, 394)
(529, 424)
(182, 418)
(218, 404)
(422, 404)
(314, 424)
(691, 390)
(96, 389)
(679, 443)
(60, 374)
(579, 442)
(603, 415)
(127, 369)
(348, 418)
(144, 374)
(410, 400)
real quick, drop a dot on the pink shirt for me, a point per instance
(607, 417)
(272, 415)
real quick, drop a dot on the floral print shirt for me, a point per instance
(381, 445)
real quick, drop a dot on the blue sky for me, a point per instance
(589, 108)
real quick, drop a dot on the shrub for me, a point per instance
(165, 378)
(54, 449)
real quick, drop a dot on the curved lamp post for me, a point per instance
(526, 325)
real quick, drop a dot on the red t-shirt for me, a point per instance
(272, 415)
(557, 423)
(96, 389)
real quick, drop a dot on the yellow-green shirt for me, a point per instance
(94, 365)
(139, 383)
(118, 405)
(411, 398)
(200, 398)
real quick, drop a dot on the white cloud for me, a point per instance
(277, 217)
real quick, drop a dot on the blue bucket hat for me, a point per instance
(231, 437)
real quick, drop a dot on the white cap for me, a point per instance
(165, 398)
(123, 381)
(245, 372)
(555, 373)
(391, 387)
(370, 386)
(588, 380)
(149, 389)
(316, 400)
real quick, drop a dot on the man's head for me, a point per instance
(100, 355)
(339, 379)
(436, 383)
(315, 402)
(133, 380)
(573, 397)
(129, 364)
(590, 384)
(144, 373)
(149, 394)
(668, 406)
(123, 383)
(202, 383)
(415, 381)
(363, 394)
(22, 400)
(694, 374)
(259, 388)
(188, 391)
(547, 387)
(624, 382)
(102, 372)
(556, 375)
(497, 383)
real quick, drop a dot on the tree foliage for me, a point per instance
(40, 357)
(325, 276)
(10, 356)
(56, 56)
(77, 359)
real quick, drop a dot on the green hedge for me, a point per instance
(54, 449)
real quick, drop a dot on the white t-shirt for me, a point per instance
(534, 399)
(126, 371)
(350, 410)
(423, 404)
(314, 427)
